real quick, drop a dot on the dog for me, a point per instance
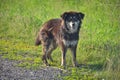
(62, 32)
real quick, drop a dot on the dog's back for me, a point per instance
(47, 30)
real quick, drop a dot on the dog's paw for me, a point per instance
(75, 64)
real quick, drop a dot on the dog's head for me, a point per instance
(72, 21)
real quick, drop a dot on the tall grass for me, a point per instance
(99, 42)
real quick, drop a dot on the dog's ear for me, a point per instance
(81, 15)
(64, 15)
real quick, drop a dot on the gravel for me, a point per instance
(9, 71)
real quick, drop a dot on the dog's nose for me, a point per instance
(73, 24)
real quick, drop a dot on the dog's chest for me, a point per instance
(70, 40)
(69, 43)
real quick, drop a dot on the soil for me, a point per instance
(10, 71)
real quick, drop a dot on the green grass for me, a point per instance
(99, 45)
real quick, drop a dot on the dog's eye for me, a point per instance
(69, 19)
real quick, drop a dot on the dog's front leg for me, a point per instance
(63, 61)
(73, 50)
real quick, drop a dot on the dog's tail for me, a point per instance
(38, 41)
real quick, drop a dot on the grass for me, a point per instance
(99, 46)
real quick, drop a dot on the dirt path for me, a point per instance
(9, 71)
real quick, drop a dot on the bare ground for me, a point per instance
(9, 71)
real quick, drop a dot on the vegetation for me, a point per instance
(98, 51)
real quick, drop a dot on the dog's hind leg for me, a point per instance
(51, 48)
(49, 55)
(44, 57)
(46, 47)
